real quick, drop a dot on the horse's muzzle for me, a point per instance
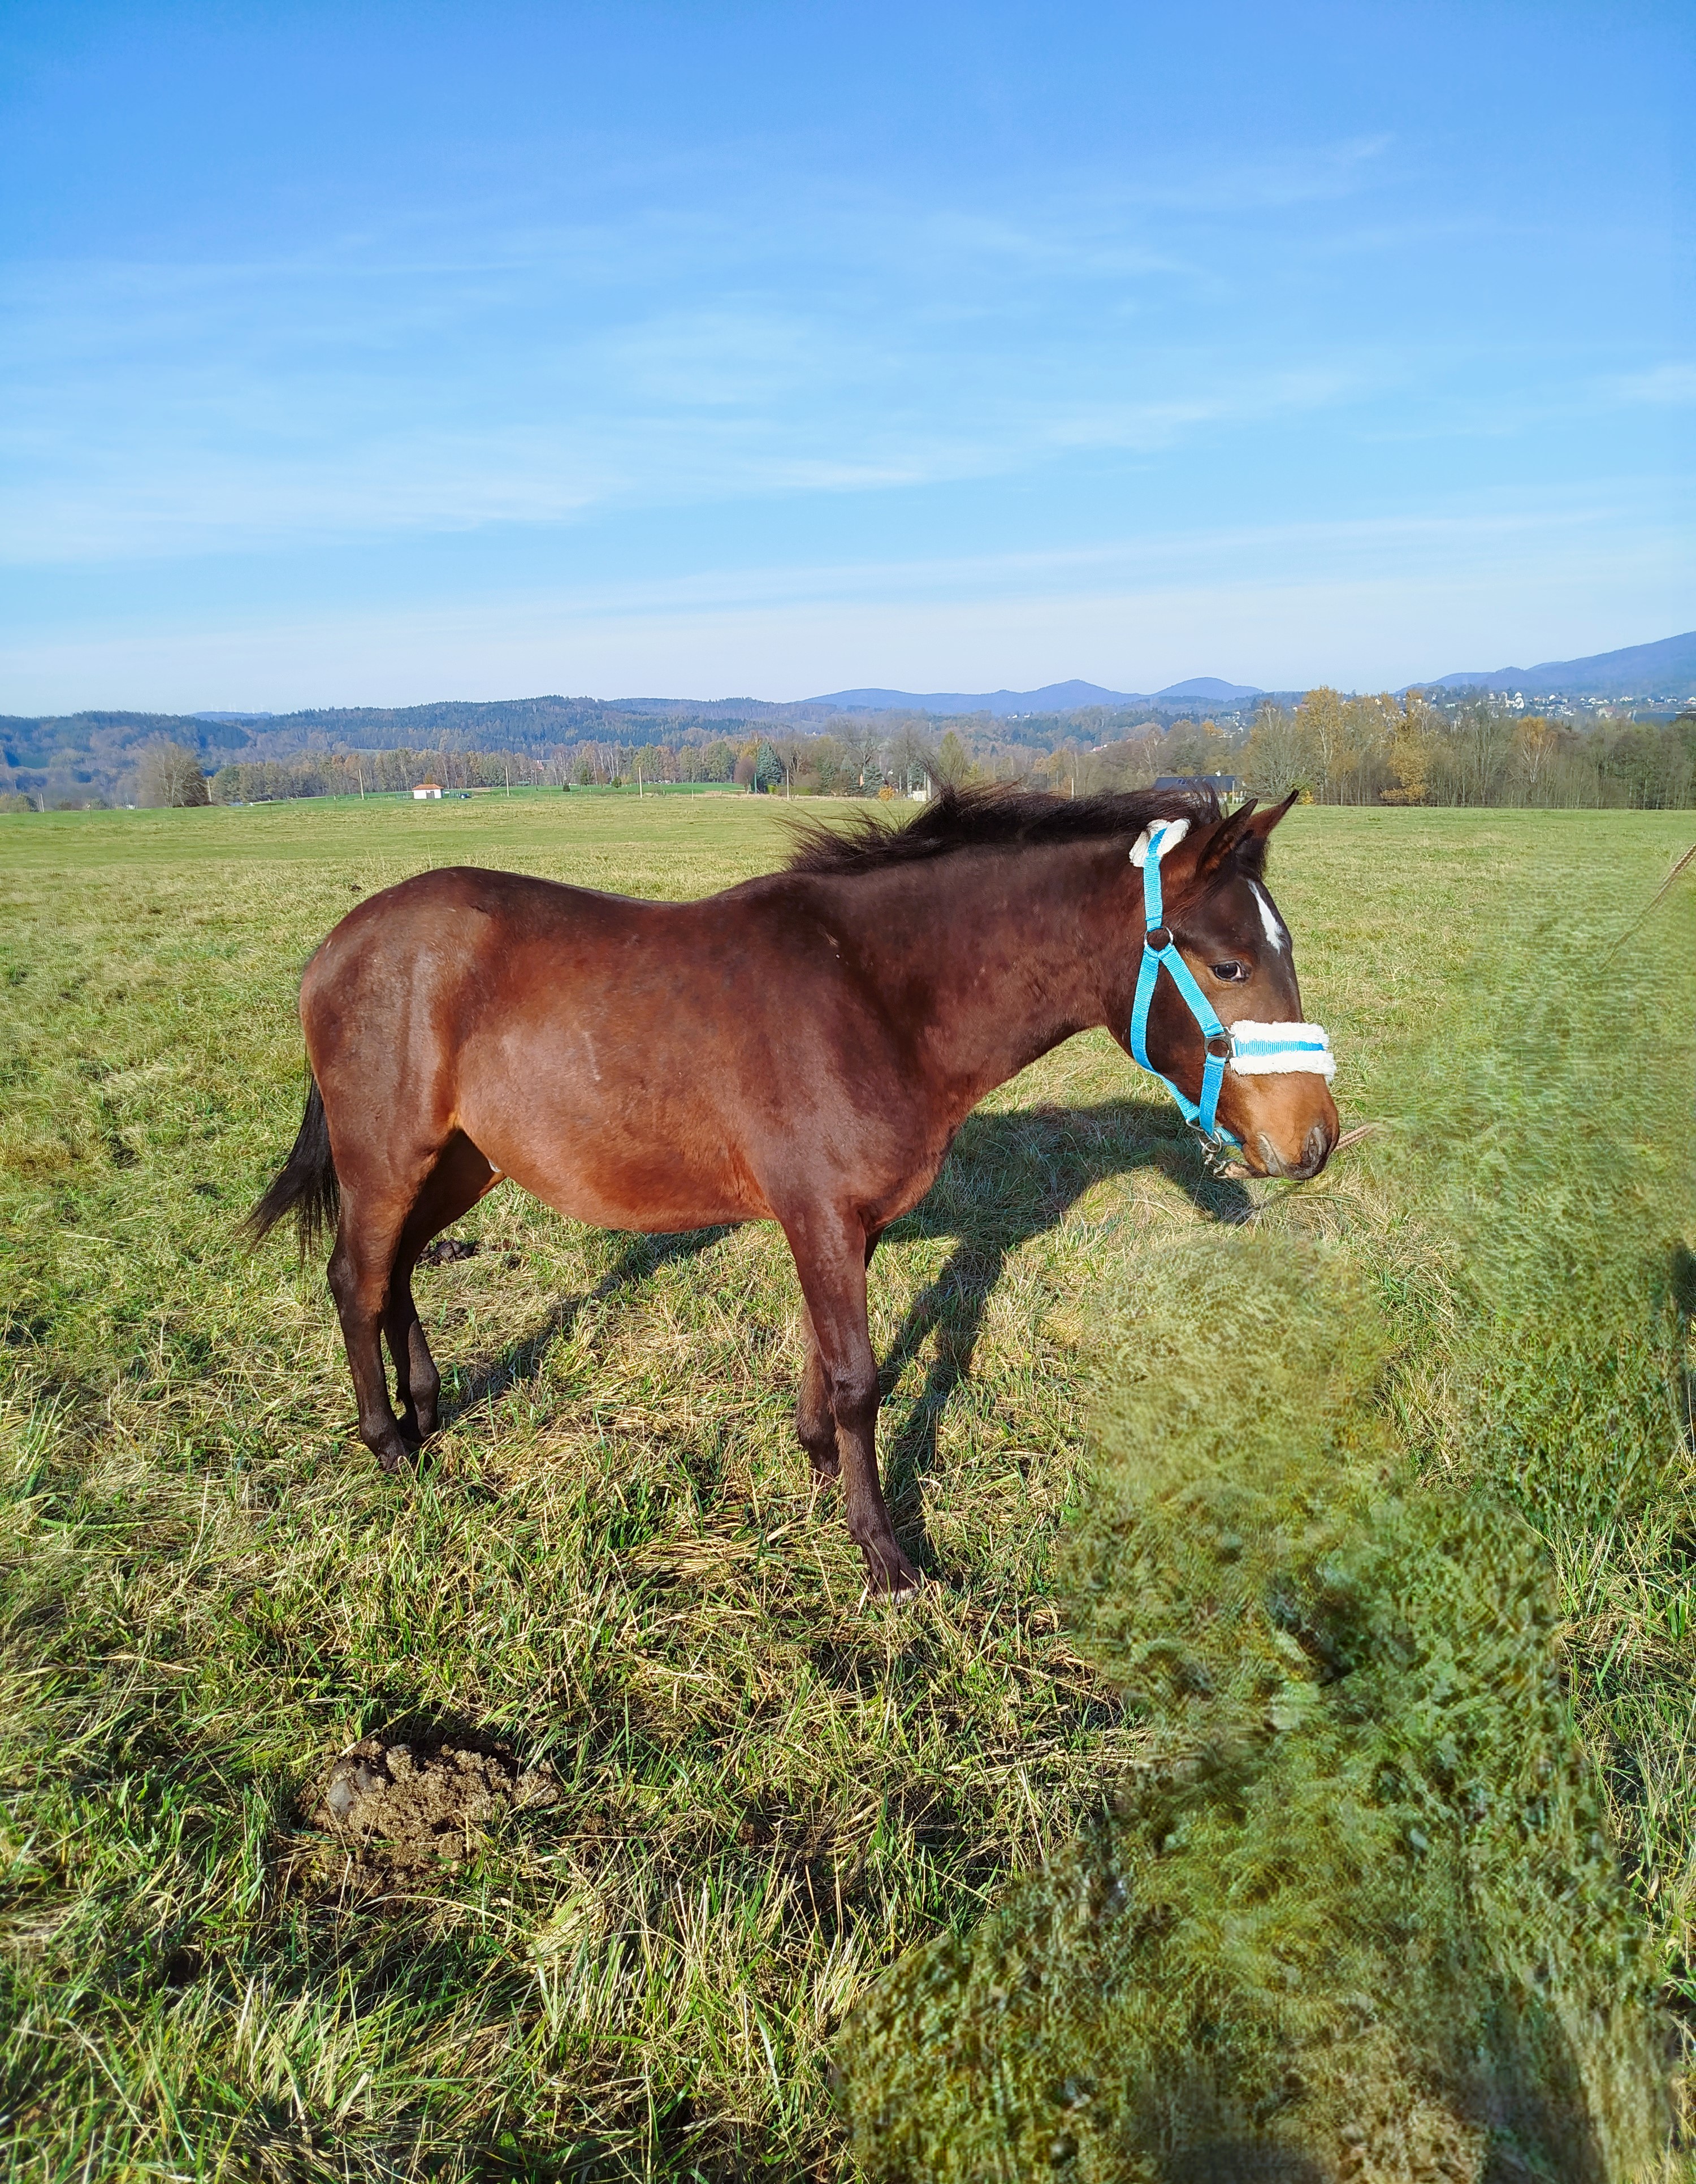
(1315, 1152)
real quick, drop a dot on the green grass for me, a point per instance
(770, 1787)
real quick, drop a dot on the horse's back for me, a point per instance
(635, 1063)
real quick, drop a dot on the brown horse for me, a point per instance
(799, 1049)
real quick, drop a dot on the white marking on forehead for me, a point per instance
(1271, 923)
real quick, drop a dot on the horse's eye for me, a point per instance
(1230, 972)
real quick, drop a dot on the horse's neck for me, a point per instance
(1006, 953)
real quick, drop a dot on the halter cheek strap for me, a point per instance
(1160, 951)
(1251, 1049)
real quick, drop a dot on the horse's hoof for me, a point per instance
(895, 1582)
(394, 1461)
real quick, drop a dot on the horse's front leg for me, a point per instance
(831, 1251)
(815, 1421)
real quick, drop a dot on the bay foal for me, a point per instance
(799, 1049)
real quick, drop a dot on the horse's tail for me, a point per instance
(307, 1185)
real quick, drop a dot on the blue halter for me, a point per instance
(1159, 948)
(1254, 1049)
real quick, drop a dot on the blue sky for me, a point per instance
(369, 354)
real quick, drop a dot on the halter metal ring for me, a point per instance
(1160, 938)
(1220, 1045)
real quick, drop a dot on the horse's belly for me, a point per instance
(613, 1202)
(620, 1177)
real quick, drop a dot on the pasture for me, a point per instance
(611, 1563)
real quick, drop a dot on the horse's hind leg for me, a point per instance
(371, 1222)
(453, 1187)
(815, 1421)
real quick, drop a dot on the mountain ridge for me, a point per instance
(96, 746)
(1068, 696)
(1662, 666)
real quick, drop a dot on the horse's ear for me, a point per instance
(1242, 838)
(1223, 843)
(1265, 821)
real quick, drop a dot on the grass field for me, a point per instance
(768, 1785)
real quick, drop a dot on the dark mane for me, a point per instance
(998, 816)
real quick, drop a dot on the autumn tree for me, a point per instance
(1471, 759)
(1537, 741)
(169, 777)
(792, 755)
(863, 751)
(1409, 754)
(1324, 734)
(1193, 747)
(954, 764)
(911, 755)
(1275, 759)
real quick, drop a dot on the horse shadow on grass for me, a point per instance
(640, 1257)
(1011, 1175)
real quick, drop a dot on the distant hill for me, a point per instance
(1666, 668)
(97, 750)
(715, 709)
(1052, 698)
(107, 739)
(96, 747)
(1210, 689)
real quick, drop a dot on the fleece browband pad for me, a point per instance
(1172, 831)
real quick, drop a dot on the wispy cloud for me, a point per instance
(250, 404)
(1361, 605)
(1666, 383)
(478, 363)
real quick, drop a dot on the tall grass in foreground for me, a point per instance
(1367, 1917)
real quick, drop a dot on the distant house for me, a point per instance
(426, 790)
(1221, 785)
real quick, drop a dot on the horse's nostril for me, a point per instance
(1269, 1153)
(1316, 1150)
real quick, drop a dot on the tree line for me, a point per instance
(1407, 750)
(1329, 747)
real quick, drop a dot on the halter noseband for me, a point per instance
(1251, 1049)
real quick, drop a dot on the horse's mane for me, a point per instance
(998, 816)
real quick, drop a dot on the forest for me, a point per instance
(1437, 748)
